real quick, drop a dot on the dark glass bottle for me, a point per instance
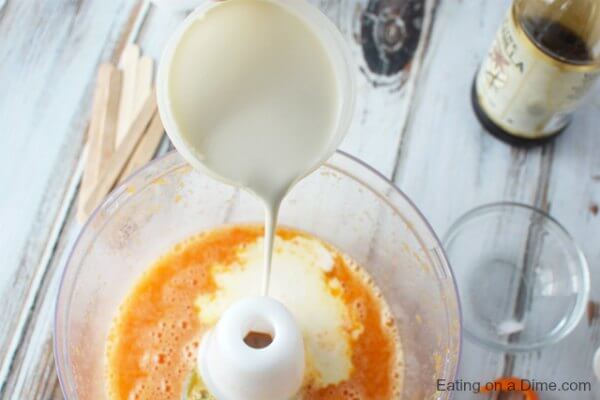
(543, 61)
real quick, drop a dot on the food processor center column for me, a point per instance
(255, 352)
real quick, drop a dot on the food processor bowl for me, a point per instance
(344, 202)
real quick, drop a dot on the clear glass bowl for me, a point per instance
(344, 202)
(523, 281)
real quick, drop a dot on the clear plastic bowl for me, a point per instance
(523, 281)
(343, 202)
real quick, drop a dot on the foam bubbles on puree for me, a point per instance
(351, 342)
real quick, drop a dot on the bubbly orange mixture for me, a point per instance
(153, 344)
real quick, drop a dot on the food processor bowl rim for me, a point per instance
(61, 353)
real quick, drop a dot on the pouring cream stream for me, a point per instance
(257, 93)
(252, 94)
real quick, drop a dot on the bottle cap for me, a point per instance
(255, 352)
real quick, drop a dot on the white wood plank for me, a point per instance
(48, 72)
(383, 102)
(573, 195)
(33, 374)
(32, 371)
(449, 164)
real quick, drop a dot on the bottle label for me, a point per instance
(525, 91)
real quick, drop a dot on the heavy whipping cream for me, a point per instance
(250, 94)
(300, 281)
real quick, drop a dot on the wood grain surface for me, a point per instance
(413, 122)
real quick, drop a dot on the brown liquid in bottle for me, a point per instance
(557, 40)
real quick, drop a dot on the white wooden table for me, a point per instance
(414, 124)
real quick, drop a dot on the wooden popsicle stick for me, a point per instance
(121, 156)
(143, 85)
(110, 118)
(102, 128)
(92, 166)
(146, 148)
(129, 65)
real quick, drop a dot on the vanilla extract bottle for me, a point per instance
(544, 60)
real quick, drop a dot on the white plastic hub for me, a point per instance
(234, 370)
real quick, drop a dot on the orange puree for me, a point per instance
(152, 346)
(374, 351)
